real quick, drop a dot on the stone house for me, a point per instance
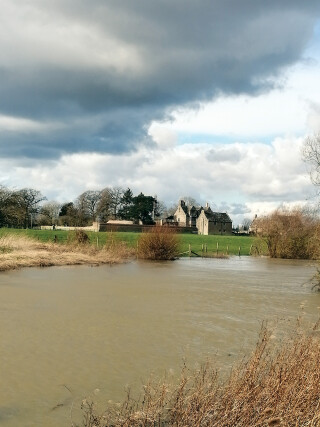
(209, 222)
(186, 216)
(204, 219)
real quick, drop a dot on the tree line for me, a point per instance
(27, 207)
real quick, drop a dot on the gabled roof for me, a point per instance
(189, 210)
(211, 216)
(216, 216)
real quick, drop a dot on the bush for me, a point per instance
(158, 243)
(290, 234)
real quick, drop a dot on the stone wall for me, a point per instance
(139, 228)
(93, 227)
(220, 228)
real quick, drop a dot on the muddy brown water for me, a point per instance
(70, 332)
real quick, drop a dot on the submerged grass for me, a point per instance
(19, 251)
(278, 385)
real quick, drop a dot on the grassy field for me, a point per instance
(212, 245)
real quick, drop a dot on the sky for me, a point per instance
(208, 99)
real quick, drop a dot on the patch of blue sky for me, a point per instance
(204, 138)
(313, 48)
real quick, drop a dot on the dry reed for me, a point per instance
(20, 251)
(279, 385)
(158, 243)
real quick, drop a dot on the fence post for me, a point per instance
(217, 248)
(227, 249)
(239, 250)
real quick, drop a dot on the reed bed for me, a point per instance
(278, 385)
(17, 251)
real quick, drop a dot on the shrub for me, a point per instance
(158, 243)
(290, 234)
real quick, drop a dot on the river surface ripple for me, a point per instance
(67, 332)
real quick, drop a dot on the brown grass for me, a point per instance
(19, 251)
(279, 385)
(158, 243)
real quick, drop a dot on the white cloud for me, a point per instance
(33, 34)
(242, 178)
(289, 109)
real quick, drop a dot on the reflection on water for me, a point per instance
(70, 330)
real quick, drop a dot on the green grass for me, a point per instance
(226, 244)
(218, 245)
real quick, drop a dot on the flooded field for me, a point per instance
(70, 332)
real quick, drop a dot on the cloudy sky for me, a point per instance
(210, 99)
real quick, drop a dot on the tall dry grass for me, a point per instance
(158, 243)
(278, 385)
(20, 251)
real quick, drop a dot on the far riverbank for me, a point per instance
(202, 245)
(18, 250)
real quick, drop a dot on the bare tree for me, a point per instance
(116, 195)
(104, 205)
(87, 204)
(27, 201)
(160, 209)
(311, 155)
(246, 223)
(190, 201)
(49, 213)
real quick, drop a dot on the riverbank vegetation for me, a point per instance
(158, 243)
(278, 385)
(27, 207)
(202, 245)
(291, 233)
(17, 251)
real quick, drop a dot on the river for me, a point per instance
(70, 332)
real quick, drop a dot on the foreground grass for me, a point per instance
(212, 245)
(18, 250)
(278, 385)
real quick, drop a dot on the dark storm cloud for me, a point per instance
(102, 70)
